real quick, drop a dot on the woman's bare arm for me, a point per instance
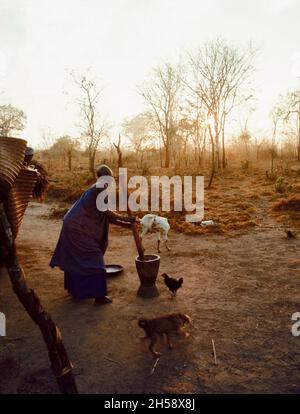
(119, 219)
(120, 223)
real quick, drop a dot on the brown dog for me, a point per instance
(157, 327)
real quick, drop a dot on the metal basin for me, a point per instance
(113, 270)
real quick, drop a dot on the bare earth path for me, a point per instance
(239, 291)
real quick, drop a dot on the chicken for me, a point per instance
(172, 284)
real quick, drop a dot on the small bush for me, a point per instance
(282, 185)
(245, 165)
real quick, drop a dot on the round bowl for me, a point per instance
(113, 270)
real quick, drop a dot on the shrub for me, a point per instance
(282, 185)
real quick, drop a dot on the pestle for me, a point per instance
(134, 226)
(137, 238)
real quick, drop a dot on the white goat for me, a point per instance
(152, 223)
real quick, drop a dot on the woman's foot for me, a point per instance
(102, 301)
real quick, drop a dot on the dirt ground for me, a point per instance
(240, 291)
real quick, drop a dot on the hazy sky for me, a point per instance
(120, 40)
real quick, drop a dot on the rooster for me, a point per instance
(172, 284)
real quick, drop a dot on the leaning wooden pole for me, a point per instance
(60, 363)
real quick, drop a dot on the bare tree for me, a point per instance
(48, 139)
(65, 147)
(140, 133)
(258, 146)
(94, 127)
(11, 119)
(276, 115)
(245, 139)
(161, 94)
(193, 127)
(119, 152)
(183, 137)
(291, 113)
(213, 161)
(219, 74)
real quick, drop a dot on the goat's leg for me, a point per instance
(158, 241)
(165, 238)
(167, 247)
(158, 244)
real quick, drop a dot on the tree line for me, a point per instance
(187, 109)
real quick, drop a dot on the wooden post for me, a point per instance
(60, 363)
